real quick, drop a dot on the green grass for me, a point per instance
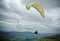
(50, 38)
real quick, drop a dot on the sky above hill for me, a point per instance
(15, 17)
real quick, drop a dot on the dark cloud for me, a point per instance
(58, 3)
(2, 5)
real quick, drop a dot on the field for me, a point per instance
(50, 38)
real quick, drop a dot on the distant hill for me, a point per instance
(24, 34)
(14, 33)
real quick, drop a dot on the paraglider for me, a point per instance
(36, 32)
(39, 8)
(36, 6)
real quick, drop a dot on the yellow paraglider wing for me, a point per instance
(38, 7)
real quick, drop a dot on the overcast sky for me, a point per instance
(15, 17)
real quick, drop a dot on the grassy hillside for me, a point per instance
(50, 38)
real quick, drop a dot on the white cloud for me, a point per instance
(18, 18)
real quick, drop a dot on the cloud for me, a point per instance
(47, 4)
(15, 17)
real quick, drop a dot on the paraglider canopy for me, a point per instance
(38, 7)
